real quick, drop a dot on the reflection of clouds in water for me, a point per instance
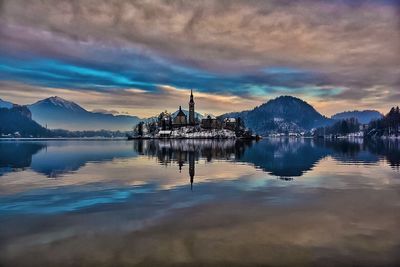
(128, 172)
(131, 205)
(256, 226)
(116, 183)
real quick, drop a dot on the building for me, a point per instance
(166, 121)
(210, 123)
(192, 120)
(233, 124)
(165, 133)
(180, 119)
(230, 124)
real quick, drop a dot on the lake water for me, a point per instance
(276, 202)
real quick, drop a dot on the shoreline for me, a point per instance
(64, 138)
(118, 138)
(184, 138)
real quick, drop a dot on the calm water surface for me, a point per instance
(277, 202)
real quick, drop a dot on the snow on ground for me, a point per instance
(191, 132)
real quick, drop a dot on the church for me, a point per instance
(165, 119)
(180, 118)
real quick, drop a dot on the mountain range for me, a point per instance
(58, 113)
(279, 115)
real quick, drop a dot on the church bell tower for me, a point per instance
(191, 109)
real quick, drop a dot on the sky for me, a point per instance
(142, 57)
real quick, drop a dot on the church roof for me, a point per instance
(180, 113)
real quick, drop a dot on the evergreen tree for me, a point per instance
(387, 126)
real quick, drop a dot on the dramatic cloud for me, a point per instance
(345, 52)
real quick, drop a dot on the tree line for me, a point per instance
(389, 125)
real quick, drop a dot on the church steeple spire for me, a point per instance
(191, 109)
(191, 96)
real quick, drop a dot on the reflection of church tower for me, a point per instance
(191, 168)
(191, 109)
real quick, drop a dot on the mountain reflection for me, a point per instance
(388, 149)
(283, 158)
(286, 158)
(54, 158)
(17, 156)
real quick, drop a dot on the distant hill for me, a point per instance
(58, 113)
(282, 114)
(18, 119)
(5, 104)
(365, 116)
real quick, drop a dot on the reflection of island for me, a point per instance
(168, 151)
(189, 151)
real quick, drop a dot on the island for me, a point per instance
(179, 126)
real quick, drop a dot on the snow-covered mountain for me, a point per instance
(5, 104)
(59, 103)
(58, 113)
